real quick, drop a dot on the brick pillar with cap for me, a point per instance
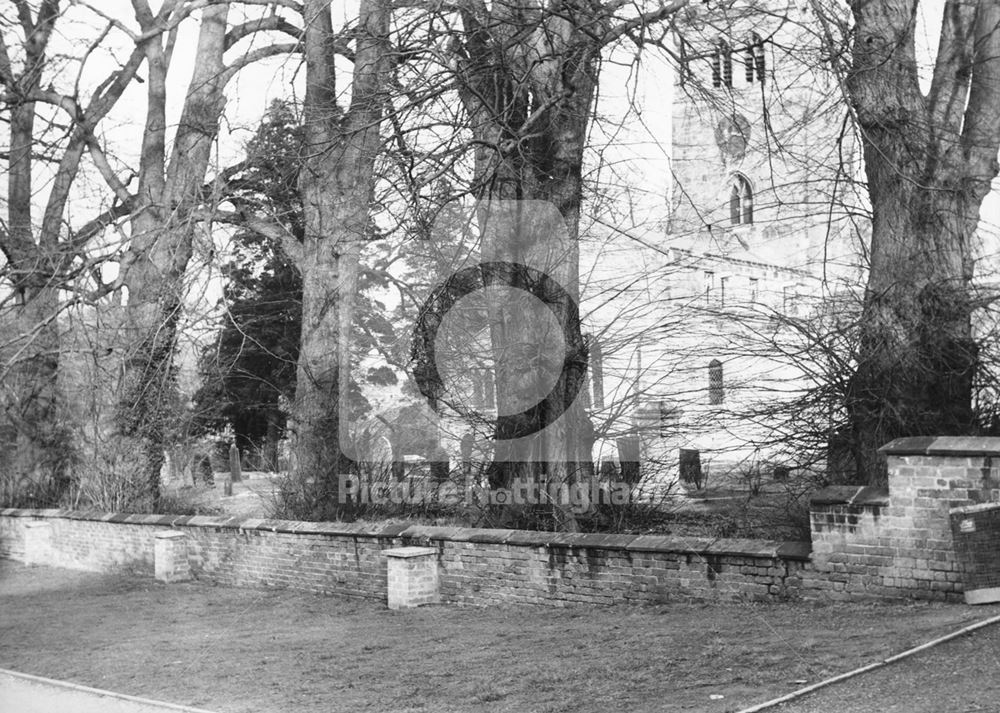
(412, 577)
(38, 542)
(170, 557)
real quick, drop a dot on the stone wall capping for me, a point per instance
(529, 538)
(958, 446)
(560, 539)
(492, 536)
(430, 533)
(170, 535)
(409, 552)
(981, 507)
(794, 551)
(857, 495)
(434, 532)
(392, 529)
(604, 541)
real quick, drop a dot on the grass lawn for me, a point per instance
(269, 650)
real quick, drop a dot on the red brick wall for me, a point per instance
(976, 533)
(901, 546)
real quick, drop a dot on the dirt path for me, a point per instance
(20, 693)
(235, 650)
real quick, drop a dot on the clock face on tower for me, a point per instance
(733, 135)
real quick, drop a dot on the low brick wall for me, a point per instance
(475, 566)
(897, 543)
(866, 544)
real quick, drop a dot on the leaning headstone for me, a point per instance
(235, 466)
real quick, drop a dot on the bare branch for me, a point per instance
(644, 19)
(950, 85)
(271, 23)
(271, 229)
(257, 55)
(107, 173)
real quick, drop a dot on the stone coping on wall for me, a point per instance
(956, 446)
(425, 533)
(980, 507)
(856, 495)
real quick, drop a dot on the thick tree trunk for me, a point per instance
(36, 255)
(42, 456)
(162, 232)
(329, 267)
(531, 119)
(336, 184)
(929, 162)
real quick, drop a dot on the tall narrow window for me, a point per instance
(716, 390)
(758, 54)
(722, 65)
(741, 202)
(753, 59)
(709, 285)
(754, 287)
(723, 284)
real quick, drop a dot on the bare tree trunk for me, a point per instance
(162, 231)
(528, 78)
(37, 255)
(33, 353)
(929, 162)
(42, 454)
(336, 185)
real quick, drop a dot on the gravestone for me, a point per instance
(235, 466)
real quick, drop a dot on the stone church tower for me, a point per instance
(763, 157)
(764, 217)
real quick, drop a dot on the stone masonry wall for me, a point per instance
(475, 566)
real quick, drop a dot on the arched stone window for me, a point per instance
(741, 202)
(716, 388)
(722, 65)
(754, 63)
